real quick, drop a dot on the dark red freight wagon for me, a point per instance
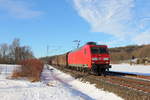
(54, 60)
(62, 60)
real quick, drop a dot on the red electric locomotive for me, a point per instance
(90, 56)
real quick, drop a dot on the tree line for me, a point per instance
(121, 54)
(14, 53)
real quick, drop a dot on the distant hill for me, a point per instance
(121, 54)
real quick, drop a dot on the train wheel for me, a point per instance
(78, 69)
(102, 71)
(96, 70)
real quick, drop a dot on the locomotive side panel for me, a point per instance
(80, 57)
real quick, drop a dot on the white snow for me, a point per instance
(6, 70)
(86, 88)
(135, 69)
(54, 85)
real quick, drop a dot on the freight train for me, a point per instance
(90, 57)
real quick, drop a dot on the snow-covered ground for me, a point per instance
(6, 70)
(54, 85)
(136, 69)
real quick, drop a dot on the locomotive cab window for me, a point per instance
(99, 50)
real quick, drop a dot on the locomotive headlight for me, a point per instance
(94, 58)
(106, 58)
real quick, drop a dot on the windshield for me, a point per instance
(99, 50)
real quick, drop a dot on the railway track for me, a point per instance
(132, 81)
(126, 82)
(122, 80)
(141, 86)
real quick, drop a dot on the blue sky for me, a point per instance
(57, 23)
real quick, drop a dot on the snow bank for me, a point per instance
(86, 88)
(25, 90)
(54, 85)
(135, 69)
(7, 70)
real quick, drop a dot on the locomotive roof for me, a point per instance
(89, 43)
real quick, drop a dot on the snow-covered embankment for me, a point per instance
(54, 85)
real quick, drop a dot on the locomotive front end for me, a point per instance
(100, 58)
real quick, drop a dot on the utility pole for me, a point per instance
(47, 50)
(47, 54)
(78, 42)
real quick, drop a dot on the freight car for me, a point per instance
(90, 57)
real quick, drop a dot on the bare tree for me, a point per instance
(25, 53)
(4, 50)
(14, 49)
(14, 53)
